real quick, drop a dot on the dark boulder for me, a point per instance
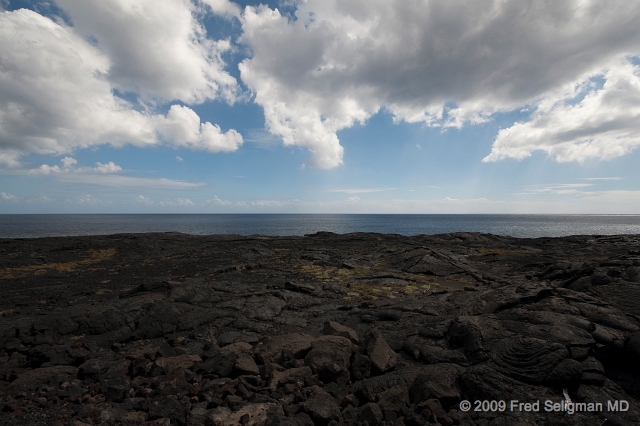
(371, 414)
(322, 408)
(329, 358)
(566, 374)
(382, 357)
(437, 382)
(360, 367)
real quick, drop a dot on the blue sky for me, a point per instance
(319, 106)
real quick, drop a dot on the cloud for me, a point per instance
(605, 124)
(354, 198)
(120, 182)
(358, 190)
(218, 201)
(619, 196)
(157, 49)
(557, 189)
(6, 196)
(144, 200)
(263, 139)
(180, 159)
(89, 200)
(178, 202)
(602, 178)
(107, 175)
(583, 191)
(68, 164)
(223, 7)
(57, 88)
(182, 126)
(442, 63)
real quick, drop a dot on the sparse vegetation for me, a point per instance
(95, 256)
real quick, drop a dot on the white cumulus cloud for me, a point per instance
(157, 49)
(443, 63)
(182, 126)
(68, 166)
(605, 124)
(57, 87)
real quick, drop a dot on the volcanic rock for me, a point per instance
(170, 328)
(382, 357)
(329, 358)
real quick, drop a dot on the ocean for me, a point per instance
(528, 226)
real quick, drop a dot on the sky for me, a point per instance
(320, 106)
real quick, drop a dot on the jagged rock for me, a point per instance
(234, 402)
(169, 408)
(329, 358)
(360, 367)
(168, 364)
(371, 414)
(221, 364)
(322, 408)
(300, 287)
(259, 415)
(633, 346)
(148, 351)
(270, 349)
(332, 328)
(435, 354)
(537, 321)
(302, 374)
(581, 284)
(382, 357)
(46, 376)
(90, 370)
(349, 414)
(234, 337)
(439, 382)
(246, 365)
(238, 348)
(465, 334)
(393, 399)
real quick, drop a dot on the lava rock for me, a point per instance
(360, 367)
(322, 408)
(329, 358)
(382, 357)
(371, 414)
(332, 328)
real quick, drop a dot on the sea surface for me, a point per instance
(530, 226)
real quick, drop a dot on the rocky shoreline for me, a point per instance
(324, 329)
